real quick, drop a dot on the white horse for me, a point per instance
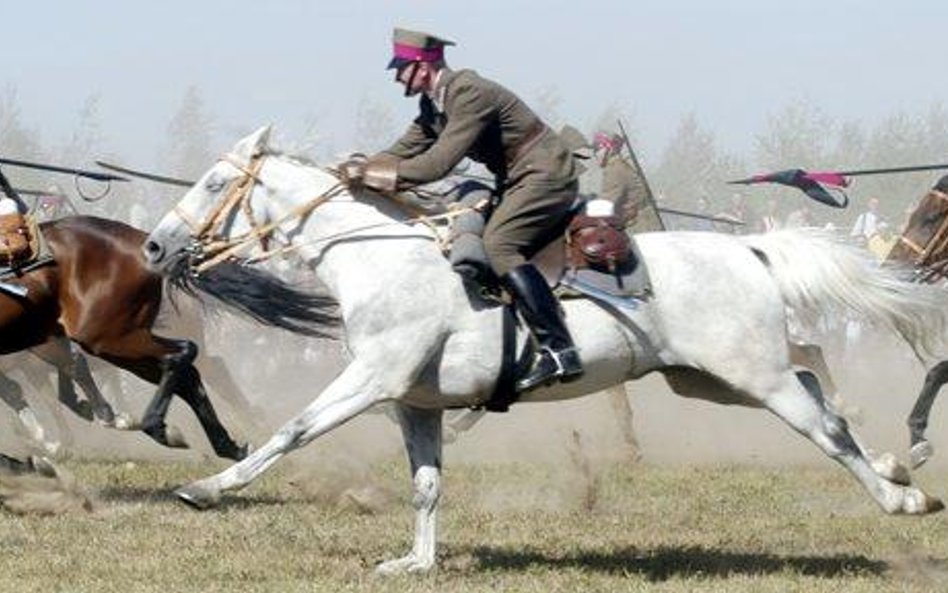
(716, 326)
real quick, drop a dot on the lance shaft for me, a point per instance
(638, 169)
(80, 172)
(893, 170)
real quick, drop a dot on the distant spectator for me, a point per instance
(867, 223)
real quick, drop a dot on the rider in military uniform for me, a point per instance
(14, 238)
(624, 185)
(465, 115)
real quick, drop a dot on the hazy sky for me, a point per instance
(731, 62)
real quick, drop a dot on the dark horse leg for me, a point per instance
(922, 450)
(171, 368)
(101, 295)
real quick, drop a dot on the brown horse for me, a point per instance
(98, 293)
(924, 245)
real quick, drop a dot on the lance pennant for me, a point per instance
(822, 185)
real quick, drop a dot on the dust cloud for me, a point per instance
(258, 378)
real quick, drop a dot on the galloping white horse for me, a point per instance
(716, 326)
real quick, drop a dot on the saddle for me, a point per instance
(595, 256)
(19, 240)
(924, 241)
(597, 242)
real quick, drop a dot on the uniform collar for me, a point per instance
(442, 79)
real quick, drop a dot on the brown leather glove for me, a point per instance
(381, 173)
(352, 171)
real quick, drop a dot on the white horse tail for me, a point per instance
(815, 271)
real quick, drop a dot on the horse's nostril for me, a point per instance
(152, 250)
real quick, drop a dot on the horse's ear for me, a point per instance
(254, 144)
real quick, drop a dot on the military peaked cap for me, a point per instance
(416, 46)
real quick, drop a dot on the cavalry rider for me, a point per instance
(14, 240)
(465, 115)
(623, 185)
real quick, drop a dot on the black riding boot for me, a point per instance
(556, 357)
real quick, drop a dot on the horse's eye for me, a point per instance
(214, 184)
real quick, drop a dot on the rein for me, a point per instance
(211, 248)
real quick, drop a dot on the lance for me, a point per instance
(701, 216)
(814, 185)
(822, 185)
(638, 169)
(149, 176)
(97, 175)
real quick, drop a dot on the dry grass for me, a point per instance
(504, 527)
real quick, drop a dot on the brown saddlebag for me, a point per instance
(598, 242)
(15, 244)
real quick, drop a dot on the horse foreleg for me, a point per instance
(922, 450)
(219, 378)
(159, 361)
(421, 430)
(192, 391)
(350, 394)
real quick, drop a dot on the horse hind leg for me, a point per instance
(810, 357)
(886, 465)
(798, 401)
(922, 449)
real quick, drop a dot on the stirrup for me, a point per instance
(550, 365)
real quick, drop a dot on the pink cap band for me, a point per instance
(417, 54)
(605, 141)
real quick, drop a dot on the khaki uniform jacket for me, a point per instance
(625, 186)
(487, 123)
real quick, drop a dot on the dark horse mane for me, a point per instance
(260, 295)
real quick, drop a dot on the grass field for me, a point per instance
(503, 528)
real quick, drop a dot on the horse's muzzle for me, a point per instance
(153, 252)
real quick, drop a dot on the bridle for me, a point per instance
(209, 246)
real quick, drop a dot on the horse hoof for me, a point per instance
(43, 466)
(198, 496)
(921, 452)
(242, 452)
(406, 565)
(123, 421)
(889, 468)
(52, 448)
(176, 438)
(919, 503)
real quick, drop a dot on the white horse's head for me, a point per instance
(199, 243)
(175, 235)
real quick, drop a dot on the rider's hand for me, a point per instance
(352, 170)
